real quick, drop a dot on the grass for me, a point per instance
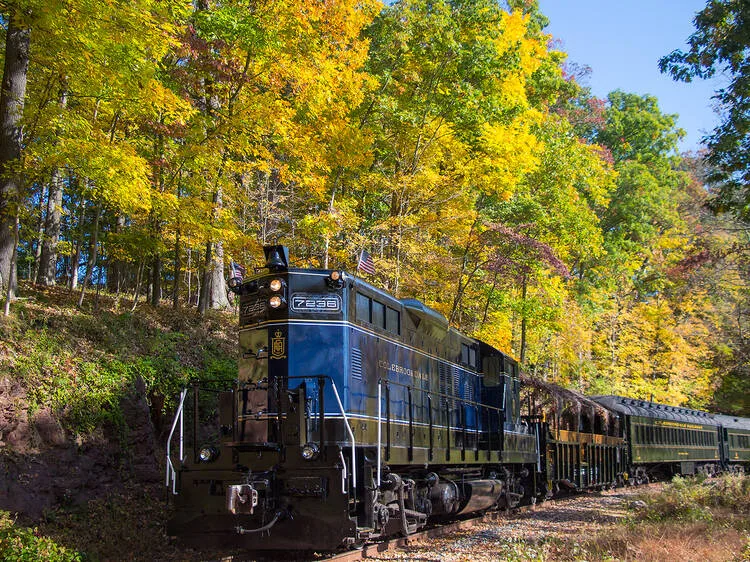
(24, 544)
(690, 519)
(700, 499)
(79, 363)
(668, 541)
(127, 524)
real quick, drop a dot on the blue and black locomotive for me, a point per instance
(356, 416)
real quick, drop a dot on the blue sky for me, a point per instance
(622, 43)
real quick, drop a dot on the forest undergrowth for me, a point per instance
(79, 362)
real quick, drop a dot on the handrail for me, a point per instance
(343, 472)
(346, 421)
(449, 396)
(380, 424)
(179, 416)
(351, 436)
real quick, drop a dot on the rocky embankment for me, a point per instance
(42, 466)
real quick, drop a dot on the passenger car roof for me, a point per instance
(644, 408)
(733, 422)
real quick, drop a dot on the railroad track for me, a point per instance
(371, 549)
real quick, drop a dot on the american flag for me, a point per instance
(365, 263)
(237, 271)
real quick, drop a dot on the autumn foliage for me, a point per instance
(163, 140)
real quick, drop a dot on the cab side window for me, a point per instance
(378, 314)
(393, 321)
(363, 307)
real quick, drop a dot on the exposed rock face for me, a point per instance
(49, 430)
(33, 483)
(42, 467)
(15, 430)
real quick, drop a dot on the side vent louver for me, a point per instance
(445, 382)
(356, 364)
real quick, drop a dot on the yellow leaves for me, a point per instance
(166, 103)
(514, 32)
(529, 52)
(656, 349)
(497, 331)
(510, 152)
(114, 172)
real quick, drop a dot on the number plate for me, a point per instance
(316, 303)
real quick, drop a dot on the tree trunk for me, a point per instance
(73, 283)
(14, 257)
(176, 273)
(203, 296)
(218, 291)
(523, 322)
(39, 235)
(117, 271)
(156, 281)
(138, 284)
(116, 268)
(189, 274)
(93, 249)
(98, 285)
(489, 298)
(11, 111)
(48, 261)
(75, 266)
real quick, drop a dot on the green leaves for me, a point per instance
(719, 45)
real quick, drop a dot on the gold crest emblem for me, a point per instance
(278, 342)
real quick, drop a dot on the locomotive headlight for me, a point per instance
(275, 285)
(275, 301)
(335, 280)
(310, 451)
(208, 454)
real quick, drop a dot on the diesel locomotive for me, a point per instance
(357, 416)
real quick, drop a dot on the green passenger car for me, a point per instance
(735, 436)
(667, 440)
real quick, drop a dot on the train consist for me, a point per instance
(356, 416)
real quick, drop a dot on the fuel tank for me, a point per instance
(450, 497)
(477, 495)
